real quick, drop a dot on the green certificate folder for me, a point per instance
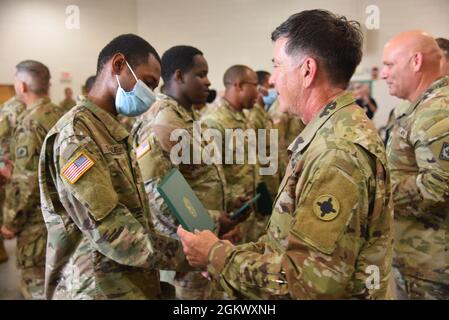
(183, 202)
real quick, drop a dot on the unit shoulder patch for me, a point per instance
(326, 207)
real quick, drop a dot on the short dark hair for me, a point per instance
(89, 83)
(39, 74)
(135, 49)
(235, 73)
(444, 46)
(333, 40)
(262, 76)
(178, 58)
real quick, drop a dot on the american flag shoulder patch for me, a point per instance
(142, 149)
(76, 168)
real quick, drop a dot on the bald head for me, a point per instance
(241, 86)
(411, 63)
(416, 41)
(237, 73)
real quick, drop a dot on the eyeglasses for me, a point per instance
(253, 83)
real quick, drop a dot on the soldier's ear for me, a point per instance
(117, 63)
(23, 87)
(309, 71)
(417, 61)
(179, 76)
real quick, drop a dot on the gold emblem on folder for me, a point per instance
(190, 207)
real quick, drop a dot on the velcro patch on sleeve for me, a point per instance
(142, 149)
(76, 168)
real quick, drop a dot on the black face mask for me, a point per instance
(211, 96)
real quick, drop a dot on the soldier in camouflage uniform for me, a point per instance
(68, 102)
(260, 120)
(22, 216)
(184, 71)
(418, 155)
(289, 127)
(240, 93)
(9, 113)
(330, 233)
(101, 241)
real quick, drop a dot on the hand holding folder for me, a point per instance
(183, 202)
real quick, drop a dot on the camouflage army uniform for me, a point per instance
(127, 122)
(330, 230)
(260, 120)
(67, 104)
(241, 179)
(289, 127)
(101, 242)
(22, 205)
(418, 154)
(151, 135)
(9, 113)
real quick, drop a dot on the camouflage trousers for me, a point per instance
(32, 283)
(418, 289)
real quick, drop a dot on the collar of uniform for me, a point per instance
(110, 122)
(237, 115)
(343, 100)
(440, 83)
(401, 109)
(180, 110)
(39, 102)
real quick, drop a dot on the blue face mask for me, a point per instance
(270, 97)
(135, 102)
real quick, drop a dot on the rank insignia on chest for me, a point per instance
(444, 154)
(76, 168)
(142, 149)
(326, 207)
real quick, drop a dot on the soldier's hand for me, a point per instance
(233, 236)
(239, 203)
(225, 223)
(7, 233)
(197, 246)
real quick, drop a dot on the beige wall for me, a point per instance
(227, 31)
(37, 30)
(396, 16)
